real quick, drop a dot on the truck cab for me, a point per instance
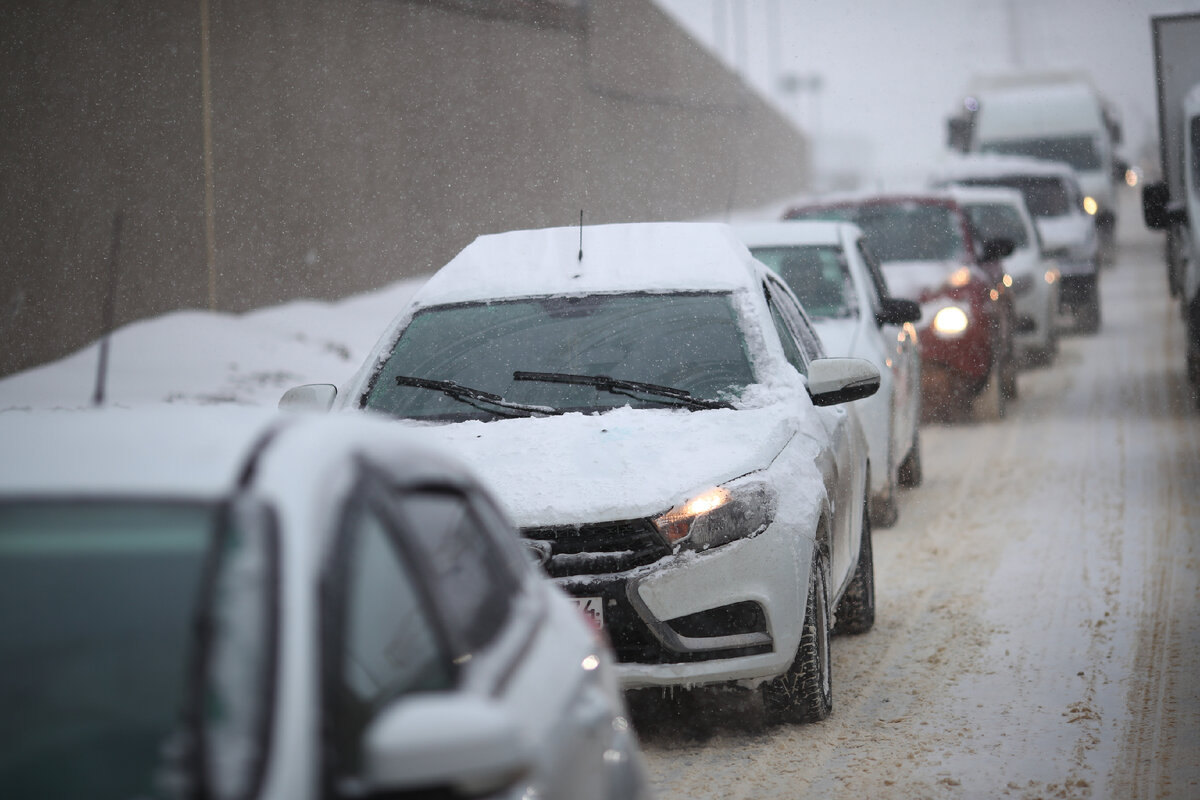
(1179, 216)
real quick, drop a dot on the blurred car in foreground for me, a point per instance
(1068, 232)
(838, 281)
(999, 213)
(929, 254)
(657, 415)
(234, 604)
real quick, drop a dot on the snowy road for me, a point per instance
(1038, 631)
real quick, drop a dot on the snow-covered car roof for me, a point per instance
(186, 453)
(655, 256)
(795, 232)
(858, 198)
(988, 194)
(994, 165)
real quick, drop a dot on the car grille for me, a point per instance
(599, 548)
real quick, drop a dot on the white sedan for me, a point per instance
(225, 603)
(841, 286)
(999, 213)
(658, 417)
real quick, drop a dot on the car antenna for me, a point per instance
(109, 310)
(581, 234)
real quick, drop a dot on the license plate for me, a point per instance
(593, 609)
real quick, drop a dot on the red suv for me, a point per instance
(931, 254)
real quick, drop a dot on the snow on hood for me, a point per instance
(910, 279)
(624, 464)
(1070, 231)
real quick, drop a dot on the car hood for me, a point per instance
(624, 464)
(1072, 233)
(911, 279)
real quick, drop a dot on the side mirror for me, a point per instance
(997, 249)
(1158, 212)
(309, 397)
(839, 380)
(895, 311)
(468, 744)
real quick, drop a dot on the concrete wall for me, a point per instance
(350, 143)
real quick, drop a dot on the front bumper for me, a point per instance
(728, 614)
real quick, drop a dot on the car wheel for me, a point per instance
(804, 693)
(885, 511)
(911, 474)
(856, 611)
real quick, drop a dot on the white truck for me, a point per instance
(1054, 117)
(1173, 204)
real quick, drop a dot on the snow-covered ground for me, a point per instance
(1038, 631)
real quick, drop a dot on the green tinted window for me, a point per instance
(97, 602)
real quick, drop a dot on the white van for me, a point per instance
(1054, 118)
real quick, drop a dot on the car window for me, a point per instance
(99, 602)
(689, 341)
(911, 231)
(385, 640)
(791, 347)
(998, 221)
(472, 580)
(817, 274)
(875, 271)
(1046, 195)
(1078, 151)
(795, 322)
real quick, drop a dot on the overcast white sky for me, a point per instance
(891, 73)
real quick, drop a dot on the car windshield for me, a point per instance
(688, 341)
(818, 276)
(903, 231)
(1078, 151)
(998, 221)
(98, 603)
(1046, 196)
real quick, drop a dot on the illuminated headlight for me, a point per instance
(1090, 206)
(950, 321)
(719, 516)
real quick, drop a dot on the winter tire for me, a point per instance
(804, 693)
(911, 474)
(856, 611)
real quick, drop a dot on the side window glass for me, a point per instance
(390, 646)
(791, 350)
(472, 582)
(810, 343)
(387, 642)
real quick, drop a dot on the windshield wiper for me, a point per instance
(473, 397)
(667, 395)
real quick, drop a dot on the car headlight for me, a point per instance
(947, 321)
(718, 516)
